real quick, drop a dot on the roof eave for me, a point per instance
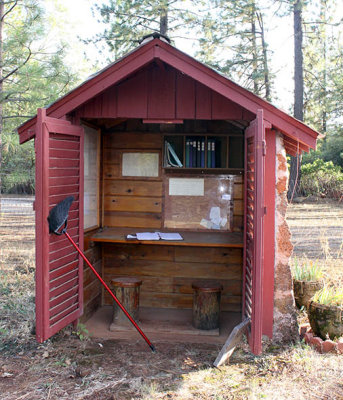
(157, 49)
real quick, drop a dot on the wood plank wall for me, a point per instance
(92, 289)
(131, 202)
(167, 272)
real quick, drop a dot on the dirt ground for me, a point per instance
(73, 366)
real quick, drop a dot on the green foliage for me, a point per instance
(18, 169)
(321, 178)
(34, 76)
(81, 332)
(232, 41)
(308, 271)
(128, 21)
(329, 296)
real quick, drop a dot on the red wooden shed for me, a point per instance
(157, 141)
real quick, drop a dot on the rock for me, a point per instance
(308, 337)
(317, 344)
(340, 347)
(329, 346)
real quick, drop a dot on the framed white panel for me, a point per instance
(140, 164)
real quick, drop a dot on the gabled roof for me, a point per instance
(299, 135)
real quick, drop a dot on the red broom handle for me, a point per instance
(110, 292)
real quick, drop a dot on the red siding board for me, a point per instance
(161, 93)
(223, 108)
(203, 102)
(133, 97)
(93, 108)
(185, 97)
(163, 52)
(109, 103)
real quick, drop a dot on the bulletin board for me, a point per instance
(199, 203)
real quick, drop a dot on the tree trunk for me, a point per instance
(265, 59)
(164, 18)
(254, 47)
(294, 175)
(2, 11)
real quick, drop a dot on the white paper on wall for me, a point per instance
(186, 187)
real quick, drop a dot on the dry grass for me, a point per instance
(66, 368)
(317, 234)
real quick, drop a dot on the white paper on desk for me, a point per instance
(147, 236)
(170, 236)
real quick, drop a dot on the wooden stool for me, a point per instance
(206, 305)
(126, 289)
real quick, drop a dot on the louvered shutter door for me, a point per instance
(253, 235)
(59, 268)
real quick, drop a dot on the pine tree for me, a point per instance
(128, 21)
(30, 74)
(233, 41)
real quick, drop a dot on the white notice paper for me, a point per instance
(215, 216)
(186, 187)
(170, 236)
(147, 236)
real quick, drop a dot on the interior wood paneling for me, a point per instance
(168, 272)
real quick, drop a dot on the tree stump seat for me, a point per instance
(206, 305)
(126, 289)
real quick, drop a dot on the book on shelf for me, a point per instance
(202, 157)
(209, 153)
(187, 153)
(194, 153)
(213, 153)
(198, 153)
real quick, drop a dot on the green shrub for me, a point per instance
(307, 271)
(321, 178)
(329, 296)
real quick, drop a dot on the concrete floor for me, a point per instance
(161, 324)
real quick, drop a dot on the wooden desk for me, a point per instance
(197, 239)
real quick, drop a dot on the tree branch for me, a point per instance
(17, 68)
(8, 11)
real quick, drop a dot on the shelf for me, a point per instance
(204, 153)
(196, 239)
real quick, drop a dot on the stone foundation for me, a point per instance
(285, 328)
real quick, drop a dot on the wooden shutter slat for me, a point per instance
(66, 286)
(59, 274)
(61, 298)
(59, 317)
(71, 300)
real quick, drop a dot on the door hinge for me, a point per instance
(264, 147)
(264, 210)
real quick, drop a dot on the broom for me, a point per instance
(58, 217)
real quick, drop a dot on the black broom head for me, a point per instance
(59, 214)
